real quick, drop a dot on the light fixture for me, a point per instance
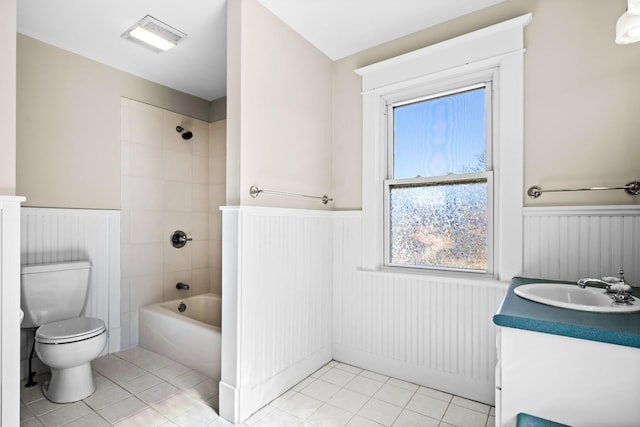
(154, 34)
(628, 25)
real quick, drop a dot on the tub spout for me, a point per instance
(181, 285)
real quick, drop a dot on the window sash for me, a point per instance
(482, 177)
(442, 180)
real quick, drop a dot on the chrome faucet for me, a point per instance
(606, 281)
(584, 282)
(183, 286)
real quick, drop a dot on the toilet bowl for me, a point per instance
(53, 298)
(68, 347)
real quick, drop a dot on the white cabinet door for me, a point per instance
(568, 380)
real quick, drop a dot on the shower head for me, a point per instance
(186, 134)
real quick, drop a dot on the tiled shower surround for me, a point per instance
(168, 184)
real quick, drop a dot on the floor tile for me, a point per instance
(158, 393)
(374, 376)
(66, 414)
(106, 397)
(199, 415)
(409, 418)
(429, 406)
(364, 385)
(320, 372)
(42, 406)
(464, 417)
(204, 390)
(145, 418)
(437, 394)
(187, 379)
(137, 388)
(403, 384)
(349, 368)
(141, 383)
(471, 404)
(330, 416)
(279, 401)
(175, 405)
(300, 406)
(337, 376)
(320, 390)
(359, 421)
(380, 412)
(90, 420)
(172, 370)
(278, 418)
(31, 422)
(392, 394)
(348, 400)
(259, 415)
(123, 409)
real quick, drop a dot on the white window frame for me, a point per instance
(443, 89)
(499, 48)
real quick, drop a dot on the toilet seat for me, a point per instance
(70, 330)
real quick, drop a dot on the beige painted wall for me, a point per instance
(581, 91)
(8, 97)
(280, 130)
(68, 125)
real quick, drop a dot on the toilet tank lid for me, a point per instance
(57, 266)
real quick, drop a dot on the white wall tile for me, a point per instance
(177, 196)
(146, 193)
(144, 161)
(146, 227)
(178, 166)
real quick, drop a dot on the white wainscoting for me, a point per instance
(433, 331)
(287, 271)
(569, 243)
(276, 315)
(59, 235)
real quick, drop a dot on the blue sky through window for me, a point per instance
(439, 136)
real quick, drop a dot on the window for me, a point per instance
(399, 182)
(439, 187)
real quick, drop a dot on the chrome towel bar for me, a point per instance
(632, 188)
(255, 192)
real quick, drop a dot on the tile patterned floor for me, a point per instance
(138, 388)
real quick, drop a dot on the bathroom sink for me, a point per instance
(573, 297)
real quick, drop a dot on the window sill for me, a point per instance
(482, 280)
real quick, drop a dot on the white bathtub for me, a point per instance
(191, 338)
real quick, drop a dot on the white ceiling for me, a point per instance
(198, 65)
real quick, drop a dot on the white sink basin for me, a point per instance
(573, 297)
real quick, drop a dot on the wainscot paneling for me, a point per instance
(432, 331)
(61, 235)
(569, 243)
(277, 271)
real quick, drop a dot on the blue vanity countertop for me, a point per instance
(612, 328)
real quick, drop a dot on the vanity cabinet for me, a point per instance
(568, 380)
(572, 367)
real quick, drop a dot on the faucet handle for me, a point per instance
(621, 275)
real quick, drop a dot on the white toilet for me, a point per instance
(53, 298)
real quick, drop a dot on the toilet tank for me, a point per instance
(51, 292)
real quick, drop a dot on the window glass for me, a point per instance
(439, 226)
(439, 136)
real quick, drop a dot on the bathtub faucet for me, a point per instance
(181, 285)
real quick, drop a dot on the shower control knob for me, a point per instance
(179, 239)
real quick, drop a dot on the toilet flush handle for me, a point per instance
(179, 239)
